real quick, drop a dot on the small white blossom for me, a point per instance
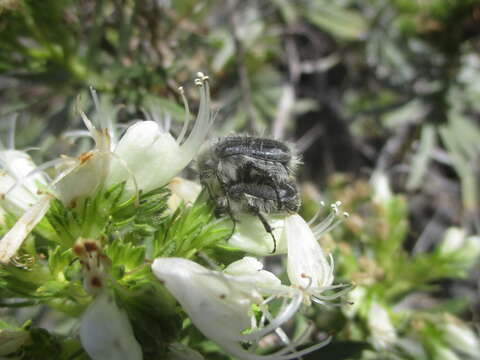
(152, 156)
(380, 184)
(19, 181)
(456, 240)
(382, 332)
(460, 337)
(106, 332)
(307, 266)
(146, 156)
(354, 300)
(220, 304)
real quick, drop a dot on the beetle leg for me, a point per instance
(267, 227)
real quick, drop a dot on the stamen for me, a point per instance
(281, 318)
(310, 281)
(314, 218)
(96, 102)
(333, 219)
(186, 118)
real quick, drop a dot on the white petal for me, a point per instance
(380, 184)
(17, 165)
(382, 332)
(453, 240)
(182, 190)
(353, 301)
(251, 237)
(250, 270)
(148, 154)
(14, 238)
(106, 333)
(83, 177)
(246, 266)
(461, 338)
(217, 308)
(220, 305)
(307, 265)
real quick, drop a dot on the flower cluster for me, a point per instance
(108, 209)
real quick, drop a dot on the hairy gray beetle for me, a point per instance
(249, 174)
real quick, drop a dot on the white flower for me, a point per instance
(460, 337)
(453, 240)
(354, 301)
(106, 333)
(146, 156)
(307, 266)
(19, 181)
(380, 184)
(220, 304)
(382, 332)
(456, 240)
(250, 235)
(152, 156)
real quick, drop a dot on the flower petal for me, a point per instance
(13, 240)
(307, 265)
(106, 333)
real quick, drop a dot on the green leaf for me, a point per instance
(190, 229)
(58, 260)
(340, 22)
(422, 157)
(125, 254)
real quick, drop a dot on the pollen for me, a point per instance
(85, 157)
